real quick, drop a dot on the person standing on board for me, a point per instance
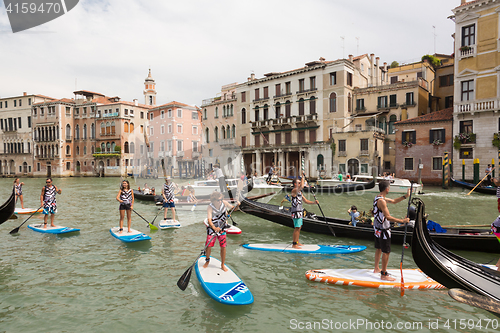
(48, 201)
(168, 197)
(297, 210)
(488, 171)
(270, 174)
(126, 198)
(216, 216)
(382, 226)
(19, 191)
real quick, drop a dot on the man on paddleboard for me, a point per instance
(297, 210)
(48, 201)
(382, 226)
(216, 216)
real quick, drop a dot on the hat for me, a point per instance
(168, 178)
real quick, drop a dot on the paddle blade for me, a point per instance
(14, 231)
(402, 281)
(184, 279)
(193, 208)
(13, 217)
(152, 227)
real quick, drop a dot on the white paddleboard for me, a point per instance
(233, 230)
(169, 224)
(128, 237)
(39, 227)
(224, 287)
(413, 278)
(27, 210)
(309, 249)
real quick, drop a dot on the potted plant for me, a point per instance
(437, 142)
(496, 140)
(465, 48)
(407, 144)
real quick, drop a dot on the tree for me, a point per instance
(394, 64)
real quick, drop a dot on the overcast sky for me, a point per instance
(193, 47)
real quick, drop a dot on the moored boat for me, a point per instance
(8, 207)
(398, 185)
(470, 186)
(340, 188)
(468, 239)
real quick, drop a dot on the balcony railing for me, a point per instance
(109, 115)
(227, 142)
(477, 106)
(195, 154)
(467, 51)
(68, 138)
(180, 154)
(283, 94)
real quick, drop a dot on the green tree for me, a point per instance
(394, 64)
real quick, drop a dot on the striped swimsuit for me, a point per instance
(380, 223)
(168, 190)
(49, 197)
(297, 210)
(126, 197)
(218, 218)
(19, 189)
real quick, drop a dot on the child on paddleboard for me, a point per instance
(48, 201)
(126, 198)
(19, 191)
(217, 215)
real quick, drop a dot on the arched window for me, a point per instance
(288, 109)
(312, 105)
(257, 113)
(216, 112)
(108, 147)
(320, 161)
(84, 131)
(277, 109)
(132, 148)
(216, 134)
(207, 135)
(392, 119)
(113, 127)
(333, 102)
(234, 131)
(131, 127)
(125, 147)
(84, 150)
(103, 147)
(92, 131)
(382, 124)
(113, 145)
(243, 116)
(266, 112)
(103, 128)
(77, 132)
(108, 127)
(224, 111)
(67, 150)
(228, 132)
(301, 107)
(232, 111)
(125, 127)
(78, 150)
(68, 132)
(223, 132)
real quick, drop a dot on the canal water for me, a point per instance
(91, 282)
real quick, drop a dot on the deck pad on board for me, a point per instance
(128, 237)
(169, 223)
(316, 249)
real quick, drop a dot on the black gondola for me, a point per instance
(468, 239)
(480, 189)
(341, 188)
(448, 268)
(7, 209)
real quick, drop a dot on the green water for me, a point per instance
(91, 282)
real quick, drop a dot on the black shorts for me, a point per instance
(383, 244)
(124, 206)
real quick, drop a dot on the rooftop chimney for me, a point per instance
(350, 57)
(252, 76)
(463, 1)
(136, 102)
(25, 93)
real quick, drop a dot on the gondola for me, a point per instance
(468, 239)
(448, 268)
(480, 189)
(7, 209)
(341, 188)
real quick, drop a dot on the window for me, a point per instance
(437, 135)
(342, 145)
(256, 113)
(243, 142)
(363, 144)
(360, 104)
(448, 102)
(467, 90)
(363, 168)
(288, 109)
(169, 145)
(312, 105)
(312, 83)
(333, 78)
(469, 35)
(151, 116)
(437, 163)
(301, 85)
(216, 112)
(409, 136)
(205, 114)
(266, 92)
(349, 103)
(393, 102)
(392, 119)
(207, 135)
(408, 163)
(169, 128)
(446, 80)
(151, 130)
(342, 168)
(15, 103)
(333, 102)
(68, 111)
(68, 165)
(162, 145)
(162, 115)
(179, 113)
(194, 115)
(216, 134)
(466, 153)
(195, 146)
(394, 79)
(466, 126)
(179, 145)
(142, 115)
(179, 128)
(29, 101)
(382, 102)
(162, 129)
(409, 99)
(169, 113)
(243, 116)
(301, 107)
(288, 89)
(349, 79)
(277, 90)
(257, 94)
(194, 130)
(243, 97)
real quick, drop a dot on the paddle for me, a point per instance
(152, 227)
(16, 230)
(404, 242)
(481, 181)
(159, 211)
(473, 299)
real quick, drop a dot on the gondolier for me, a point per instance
(382, 227)
(48, 201)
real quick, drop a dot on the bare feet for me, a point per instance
(376, 270)
(387, 278)
(296, 246)
(206, 264)
(224, 268)
(52, 225)
(129, 231)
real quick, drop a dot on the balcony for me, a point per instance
(477, 106)
(196, 154)
(283, 95)
(68, 138)
(306, 91)
(342, 154)
(364, 153)
(228, 142)
(110, 115)
(180, 154)
(260, 99)
(106, 154)
(408, 104)
(467, 51)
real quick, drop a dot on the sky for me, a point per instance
(193, 47)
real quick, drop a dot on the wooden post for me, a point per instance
(493, 166)
(463, 170)
(446, 167)
(476, 170)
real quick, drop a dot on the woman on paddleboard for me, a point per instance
(19, 191)
(48, 201)
(126, 198)
(217, 215)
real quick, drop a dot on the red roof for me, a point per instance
(441, 115)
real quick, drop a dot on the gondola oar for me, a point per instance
(152, 227)
(404, 242)
(16, 230)
(481, 181)
(232, 199)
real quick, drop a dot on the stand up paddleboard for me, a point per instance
(27, 210)
(230, 231)
(413, 278)
(224, 287)
(169, 224)
(51, 230)
(309, 249)
(128, 237)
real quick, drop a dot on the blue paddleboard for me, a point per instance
(312, 249)
(51, 230)
(224, 287)
(128, 237)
